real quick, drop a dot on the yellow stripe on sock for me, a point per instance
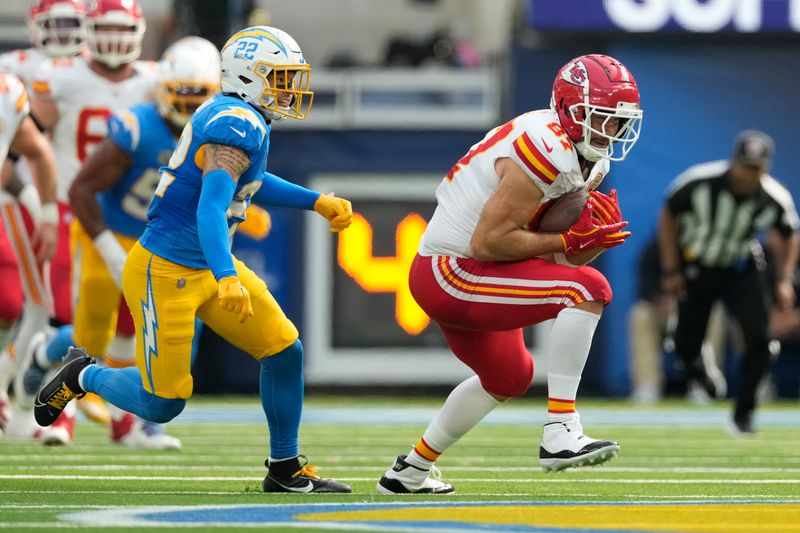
(555, 405)
(426, 451)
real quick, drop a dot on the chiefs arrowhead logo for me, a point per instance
(575, 73)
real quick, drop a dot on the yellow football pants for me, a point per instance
(164, 298)
(95, 296)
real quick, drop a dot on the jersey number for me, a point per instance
(92, 129)
(559, 132)
(495, 136)
(177, 159)
(137, 199)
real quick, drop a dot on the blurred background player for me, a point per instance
(483, 272)
(20, 134)
(109, 198)
(56, 29)
(182, 266)
(74, 99)
(709, 252)
(651, 325)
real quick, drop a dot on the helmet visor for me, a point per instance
(286, 90)
(181, 98)
(609, 132)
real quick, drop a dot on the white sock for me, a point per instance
(39, 346)
(8, 368)
(567, 351)
(34, 319)
(467, 405)
(6, 334)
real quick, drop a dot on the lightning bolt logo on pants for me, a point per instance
(149, 328)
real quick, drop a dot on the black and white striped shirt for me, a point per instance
(716, 229)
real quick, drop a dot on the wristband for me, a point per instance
(28, 197)
(50, 213)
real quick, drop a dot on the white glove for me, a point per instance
(29, 199)
(112, 253)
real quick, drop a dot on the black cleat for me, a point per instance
(741, 425)
(405, 478)
(63, 387)
(303, 480)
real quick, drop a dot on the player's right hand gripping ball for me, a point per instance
(337, 211)
(234, 297)
(585, 234)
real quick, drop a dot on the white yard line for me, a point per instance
(382, 466)
(454, 479)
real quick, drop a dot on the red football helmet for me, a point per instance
(600, 86)
(57, 27)
(114, 31)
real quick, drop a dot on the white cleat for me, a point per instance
(138, 434)
(61, 432)
(21, 425)
(5, 414)
(565, 446)
(405, 478)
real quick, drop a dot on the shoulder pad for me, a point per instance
(124, 130)
(235, 125)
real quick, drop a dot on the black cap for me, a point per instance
(753, 148)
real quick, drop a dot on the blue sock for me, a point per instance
(58, 345)
(281, 387)
(123, 388)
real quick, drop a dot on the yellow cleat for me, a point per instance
(94, 408)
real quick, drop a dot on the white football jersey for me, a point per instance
(85, 100)
(537, 143)
(23, 63)
(14, 107)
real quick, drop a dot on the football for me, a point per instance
(562, 212)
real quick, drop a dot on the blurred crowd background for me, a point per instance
(405, 87)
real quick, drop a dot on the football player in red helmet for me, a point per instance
(484, 271)
(57, 30)
(115, 29)
(597, 102)
(58, 26)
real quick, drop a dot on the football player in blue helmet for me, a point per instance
(182, 265)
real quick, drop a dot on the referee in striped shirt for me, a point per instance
(709, 252)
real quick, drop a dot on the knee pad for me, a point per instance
(160, 410)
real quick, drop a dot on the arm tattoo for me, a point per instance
(232, 160)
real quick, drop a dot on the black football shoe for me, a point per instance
(293, 477)
(62, 388)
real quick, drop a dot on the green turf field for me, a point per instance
(663, 461)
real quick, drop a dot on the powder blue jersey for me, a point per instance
(172, 229)
(144, 135)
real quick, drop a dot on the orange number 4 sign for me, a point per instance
(385, 274)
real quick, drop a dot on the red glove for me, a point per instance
(585, 234)
(606, 207)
